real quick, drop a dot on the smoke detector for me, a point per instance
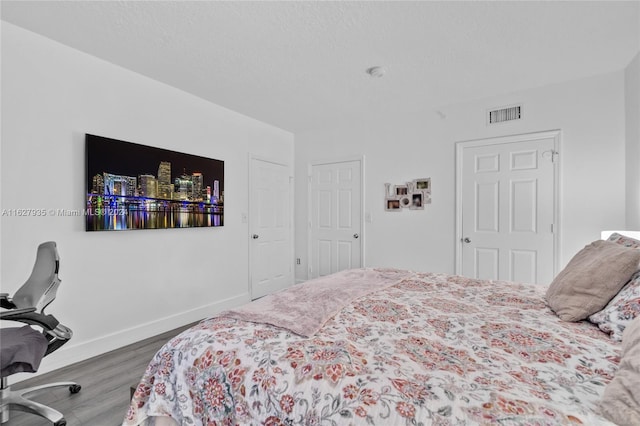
(377, 72)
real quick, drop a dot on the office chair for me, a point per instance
(22, 348)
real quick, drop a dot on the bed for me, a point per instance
(384, 346)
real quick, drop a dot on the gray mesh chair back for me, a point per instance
(41, 287)
(23, 347)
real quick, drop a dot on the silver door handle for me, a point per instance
(466, 240)
(356, 236)
(255, 236)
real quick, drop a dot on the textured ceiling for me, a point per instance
(300, 65)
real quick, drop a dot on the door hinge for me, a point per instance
(552, 230)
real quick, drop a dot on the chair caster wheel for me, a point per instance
(74, 389)
(61, 422)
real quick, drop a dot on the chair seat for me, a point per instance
(22, 350)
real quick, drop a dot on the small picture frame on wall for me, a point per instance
(423, 185)
(417, 201)
(392, 205)
(401, 190)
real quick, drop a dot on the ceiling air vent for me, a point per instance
(504, 114)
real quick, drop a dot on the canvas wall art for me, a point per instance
(134, 186)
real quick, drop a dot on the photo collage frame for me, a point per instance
(412, 195)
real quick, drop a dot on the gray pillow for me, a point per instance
(621, 399)
(591, 279)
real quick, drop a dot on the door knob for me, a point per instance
(466, 240)
(255, 236)
(356, 236)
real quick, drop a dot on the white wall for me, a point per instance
(403, 145)
(632, 122)
(396, 151)
(117, 287)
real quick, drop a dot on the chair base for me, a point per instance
(16, 401)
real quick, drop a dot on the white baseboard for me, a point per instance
(70, 353)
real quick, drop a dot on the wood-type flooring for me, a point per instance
(105, 379)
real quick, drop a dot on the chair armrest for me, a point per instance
(30, 316)
(5, 302)
(8, 315)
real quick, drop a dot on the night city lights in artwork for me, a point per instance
(133, 186)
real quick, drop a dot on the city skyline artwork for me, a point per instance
(134, 186)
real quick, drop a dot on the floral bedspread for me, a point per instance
(433, 349)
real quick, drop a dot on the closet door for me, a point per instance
(335, 217)
(507, 208)
(270, 233)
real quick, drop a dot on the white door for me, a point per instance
(335, 217)
(270, 251)
(507, 208)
